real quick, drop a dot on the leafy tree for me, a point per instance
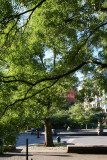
(98, 115)
(72, 30)
(61, 119)
(79, 115)
(89, 117)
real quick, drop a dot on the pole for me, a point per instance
(27, 149)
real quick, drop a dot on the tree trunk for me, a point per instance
(48, 133)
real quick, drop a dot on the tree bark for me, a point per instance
(48, 133)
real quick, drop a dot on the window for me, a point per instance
(93, 100)
(85, 100)
(97, 99)
(94, 105)
(90, 105)
(101, 98)
(102, 104)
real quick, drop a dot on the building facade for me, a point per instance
(98, 101)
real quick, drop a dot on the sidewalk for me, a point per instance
(54, 156)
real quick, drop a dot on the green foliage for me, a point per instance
(10, 140)
(98, 115)
(33, 85)
(8, 134)
(89, 117)
(60, 119)
(78, 113)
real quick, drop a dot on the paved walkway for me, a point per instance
(38, 152)
(54, 156)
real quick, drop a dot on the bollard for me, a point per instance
(27, 149)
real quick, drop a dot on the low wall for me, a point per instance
(87, 149)
(80, 132)
(75, 132)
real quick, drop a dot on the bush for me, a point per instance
(60, 120)
(10, 140)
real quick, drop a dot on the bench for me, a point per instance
(84, 149)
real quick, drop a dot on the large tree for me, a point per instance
(73, 31)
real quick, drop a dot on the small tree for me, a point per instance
(80, 115)
(98, 115)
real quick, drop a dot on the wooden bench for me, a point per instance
(84, 149)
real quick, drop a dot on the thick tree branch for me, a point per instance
(2, 79)
(56, 78)
(71, 71)
(25, 98)
(103, 9)
(102, 65)
(11, 17)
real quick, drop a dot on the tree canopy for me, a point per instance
(71, 33)
(72, 30)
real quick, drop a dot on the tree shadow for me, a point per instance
(57, 155)
(14, 154)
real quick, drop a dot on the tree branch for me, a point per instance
(71, 19)
(11, 17)
(103, 9)
(62, 75)
(7, 35)
(102, 65)
(25, 98)
(91, 33)
(85, 41)
(56, 78)
(14, 80)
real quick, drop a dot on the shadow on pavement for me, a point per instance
(14, 154)
(60, 155)
(54, 155)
